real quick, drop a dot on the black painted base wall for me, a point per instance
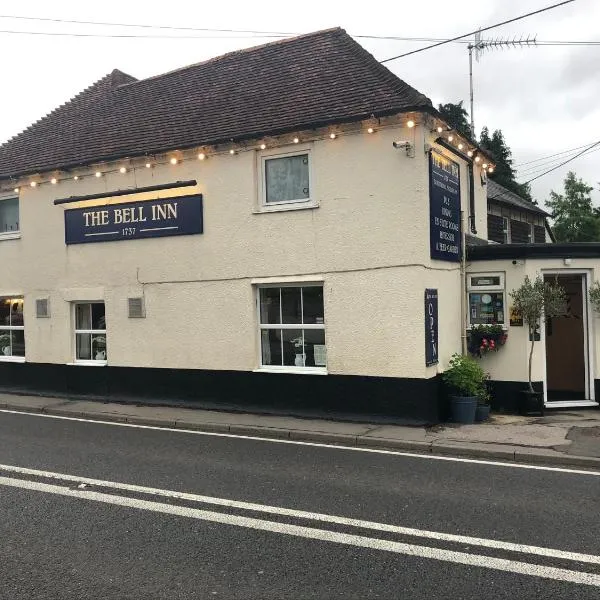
(505, 394)
(405, 399)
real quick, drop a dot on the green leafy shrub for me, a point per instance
(595, 296)
(465, 377)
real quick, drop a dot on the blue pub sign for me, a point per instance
(180, 215)
(431, 327)
(445, 236)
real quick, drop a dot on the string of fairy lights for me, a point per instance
(176, 157)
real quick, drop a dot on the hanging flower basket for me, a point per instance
(486, 338)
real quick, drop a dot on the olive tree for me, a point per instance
(534, 300)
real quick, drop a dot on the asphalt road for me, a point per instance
(372, 524)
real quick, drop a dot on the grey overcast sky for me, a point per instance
(545, 99)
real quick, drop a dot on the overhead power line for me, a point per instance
(458, 37)
(537, 170)
(247, 32)
(544, 164)
(137, 36)
(564, 162)
(535, 160)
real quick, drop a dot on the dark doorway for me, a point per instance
(566, 358)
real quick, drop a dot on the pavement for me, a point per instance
(565, 438)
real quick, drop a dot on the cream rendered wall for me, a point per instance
(368, 241)
(511, 362)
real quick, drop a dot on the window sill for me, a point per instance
(285, 207)
(88, 363)
(293, 370)
(11, 235)
(15, 359)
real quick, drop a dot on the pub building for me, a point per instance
(289, 227)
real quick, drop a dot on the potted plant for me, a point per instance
(534, 300)
(486, 338)
(595, 296)
(5, 344)
(465, 380)
(299, 349)
(482, 412)
(99, 347)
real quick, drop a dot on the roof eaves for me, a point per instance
(218, 141)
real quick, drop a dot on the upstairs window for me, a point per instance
(12, 329)
(286, 179)
(9, 217)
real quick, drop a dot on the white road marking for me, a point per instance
(487, 562)
(300, 514)
(476, 461)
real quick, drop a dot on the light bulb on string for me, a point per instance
(53, 181)
(173, 161)
(201, 156)
(410, 123)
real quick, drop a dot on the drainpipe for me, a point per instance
(463, 284)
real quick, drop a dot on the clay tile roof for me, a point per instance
(302, 82)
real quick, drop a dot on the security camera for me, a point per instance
(401, 144)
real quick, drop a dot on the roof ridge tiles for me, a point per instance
(239, 51)
(307, 81)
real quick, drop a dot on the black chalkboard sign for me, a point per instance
(444, 208)
(431, 327)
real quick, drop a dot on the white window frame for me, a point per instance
(301, 203)
(83, 361)
(506, 229)
(12, 358)
(12, 235)
(496, 288)
(302, 326)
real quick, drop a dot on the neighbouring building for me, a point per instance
(280, 227)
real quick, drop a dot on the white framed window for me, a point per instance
(506, 230)
(90, 332)
(9, 218)
(486, 299)
(12, 329)
(292, 328)
(286, 180)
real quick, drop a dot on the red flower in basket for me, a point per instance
(484, 342)
(492, 344)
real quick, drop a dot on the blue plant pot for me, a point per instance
(482, 413)
(463, 408)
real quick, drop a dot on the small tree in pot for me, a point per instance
(534, 300)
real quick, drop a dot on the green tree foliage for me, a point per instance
(534, 300)
(504, 173)
(575, 218)
(457, 117)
